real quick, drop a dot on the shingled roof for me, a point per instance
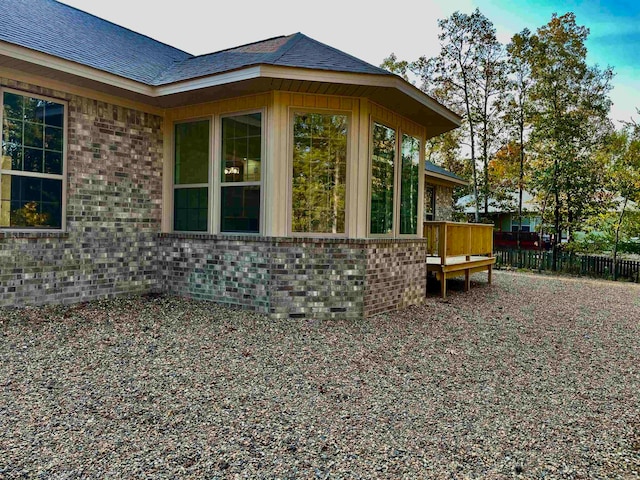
(57, 29)
(60, 30)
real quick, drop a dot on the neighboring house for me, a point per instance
(282, 176)
(504, 214)
(438, 192)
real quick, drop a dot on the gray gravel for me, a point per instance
(532, 377)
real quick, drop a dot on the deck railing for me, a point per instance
(452, 239)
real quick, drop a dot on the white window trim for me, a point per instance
(215, 183)
(63, 176)
(292, 112)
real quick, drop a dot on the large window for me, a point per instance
(241, 173)
(382, 179)
(409, 183)
(191, 176)
(32, 165)
(395, 182)
(319, 173)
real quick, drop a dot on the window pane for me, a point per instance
(242, 148)
(53, 114)
(319, 173)
(190, 209)
(34, 110)
(382, 165)
(409, 178)
(240, 209)
(33, 160)
(192, 152)
(33, 135)
(53, 138)
(13, 106)
(30, 202)
(53, 162)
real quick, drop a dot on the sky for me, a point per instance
(373, 30)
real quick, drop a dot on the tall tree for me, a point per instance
(469, 50)
(570, 107)
(624, 175)
(518, 106)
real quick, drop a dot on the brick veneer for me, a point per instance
(296, 277)
(114, 194)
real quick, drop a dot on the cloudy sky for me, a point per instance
(371, 30)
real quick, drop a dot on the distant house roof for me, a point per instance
(509, 205)
(443, 174)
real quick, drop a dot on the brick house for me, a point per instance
(282, 176)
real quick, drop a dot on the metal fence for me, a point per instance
(576, 264)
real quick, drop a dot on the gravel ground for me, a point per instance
(532, 377)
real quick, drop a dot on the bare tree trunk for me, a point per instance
(615, 244)
(521, 184)
(556, 217)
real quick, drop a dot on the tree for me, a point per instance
(624, 175)
(393, 65)
(464, 76)
(569, 121)
(518, 104)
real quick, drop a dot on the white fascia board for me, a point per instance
(73, 68)
(209, 81)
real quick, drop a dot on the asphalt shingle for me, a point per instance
(60, 30)
(57, 29)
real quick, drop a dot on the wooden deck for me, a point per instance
(458, 249)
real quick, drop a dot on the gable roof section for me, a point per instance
(295, 50)
(62, 31)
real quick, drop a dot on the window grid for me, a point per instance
(32, 167)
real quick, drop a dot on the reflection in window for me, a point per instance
(191, 177)
(409, 179)
(319, 173)
(32, 162)
(382, 170)
(241, 173)
(429, 203)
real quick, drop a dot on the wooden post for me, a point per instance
(443, 285)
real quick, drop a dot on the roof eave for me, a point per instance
(447, 178)
(155, 94)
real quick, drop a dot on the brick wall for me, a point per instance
(396, 275)
(295, 277)
(114, 194)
